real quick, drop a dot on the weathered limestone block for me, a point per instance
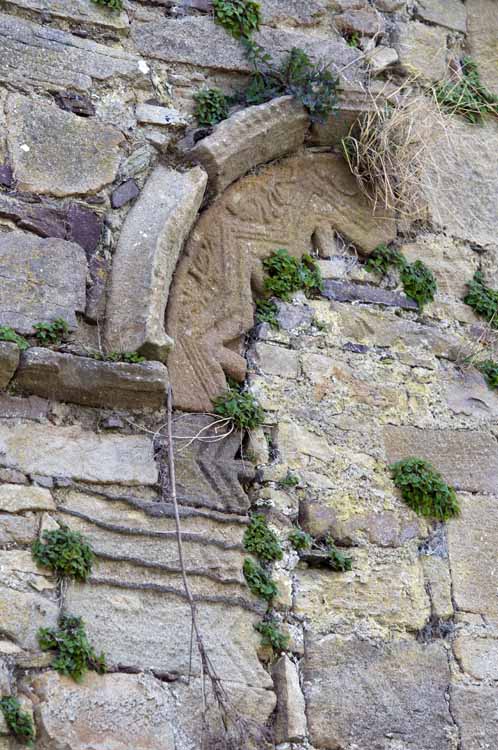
(475, 710)
(453, 263)
(381, 58)
(77, 454)
(472, 549)
(351, 105)
(293, 12)
(367, 22)
(291, 717)
(111, 712)
(464, 191)
(390, 6)
(390, 590)
(468, 393)
(344, 291)
(19, 571)
(421, 49)
(438, 581)
(22, 613)
(18, 529)
(16, 498)
(276, 360)
(42, 279)
(45, 57)
(482, 22)
(9, 359)
(82, 152)
(82, 380)
(360, 693)
(253, 136)
(155, 115)
(467, 460)
(210, 306)
(477, 655)
(82, 11)
(448, 13)
(149, 245)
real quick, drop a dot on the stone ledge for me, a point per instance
(81, 380)
(373, 295)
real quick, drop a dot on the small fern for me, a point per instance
(19, 722)
(8, 334)
(259, 580)
(74, 654)
(482, 299)
(489, 369)
(211, 106)
(286, 275)
(64, 551)
(239, 406)
(241, 18)
(272, 636)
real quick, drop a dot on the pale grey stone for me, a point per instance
(77, 454)
(44, 57)
(18, 529)
(390, 6)
(351, 105)
(9, 359)
(361, 693)
(42, 279)
(154, 115)
(83, 11)
(421, 49)
(477, 655)
(482, 22)
(467, 460)
(468, 393)
(82, 152)
(149, 245)
(82, 380)
(366, 21)
(475, 709)
(251, 137)
(16, 498)
(290, 723)
(381, 58)
(276, 360)
(295, 12)
(23, 613)
(448, 13)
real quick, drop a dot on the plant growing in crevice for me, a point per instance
(19, 722)
(418, 280)
(489, 368)
(240, 407)
(338, 561)
(320, 552)
(49, 334)
(466, 96)
(132, 358)
(260, 540)
(66, 552)
(482, 299)
(311, 84)
(352, 39)
(112, 4)
(259, 580)
(424, 490)
(74, 654)
(286, 275)
(266, 312)
(272, 636)
(300, 540)
(211, 106)
(290, 480)
(8, 334)
(240, 18)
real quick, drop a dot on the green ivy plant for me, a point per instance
(313, 85)
(239, 406)
(300, 540)
(48, 334)
(8, 334)
(19, 722)
(240, 18)
(74, 654)
(266, 312)
(272, 636)
(211, 106)
(482, 299)
(286, 275)
(66, 552)
(259, 580)
(290, 480)
(338, 560)
(424, 490)
(489, 369)
(418, 280)
(467, 97)
(112, 4)
(260, 540)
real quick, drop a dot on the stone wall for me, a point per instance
(147, 234)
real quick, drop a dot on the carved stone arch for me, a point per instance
(211, 301)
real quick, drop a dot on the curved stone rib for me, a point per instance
(210, 306)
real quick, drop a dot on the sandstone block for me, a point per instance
(32, 407)
(44, 279)
(9, 359)
(18, 529)
(381, 58)
(343, 291)
(475, 710)
(367, 22)
(276, 360)
(467, 460)
(253, 136)
(77, 454)
(452, 262)
(22, 613)
(82, 152)
(351, 105)
(42, 56)
(154, 115)
(16, 498)
(482, 21)
(359, 693)
(448, 13)
(477, 655)
(291, 716)
(421, 49)
(81, 11)
(149, 245)
(293, 12)
(437, 575)
(81, 380)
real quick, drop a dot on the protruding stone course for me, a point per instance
(42, 279)
(74, 453)
(16, 498)
(9, 359)
(210, 305)
(82, 152)
(149, 245)
(82, 380)
(254, 136)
